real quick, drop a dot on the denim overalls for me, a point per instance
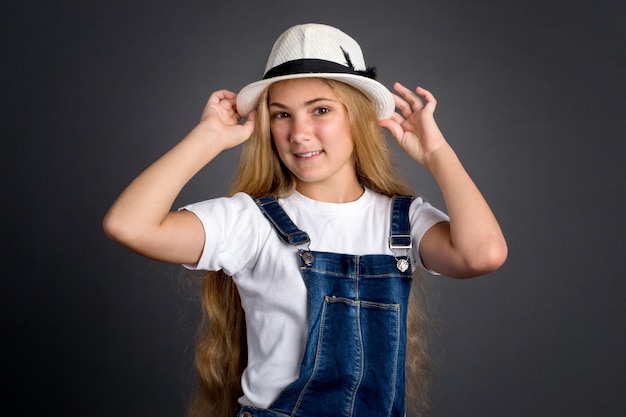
(354, 361)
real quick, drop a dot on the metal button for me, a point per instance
(308, 258)
(402, 264)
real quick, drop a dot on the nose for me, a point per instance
(301, 129)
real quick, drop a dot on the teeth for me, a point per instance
(308, 154)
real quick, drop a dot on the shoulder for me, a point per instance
(224, 214)
(422, 214)
(422, 210)
(235, 230)
(237, 201)
(238, 205)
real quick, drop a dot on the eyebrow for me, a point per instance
(307, 103)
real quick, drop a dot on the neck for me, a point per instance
(328, 193)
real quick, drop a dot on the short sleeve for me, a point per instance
(423, 216)
(232, 230)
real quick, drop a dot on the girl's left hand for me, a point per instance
(414, 127)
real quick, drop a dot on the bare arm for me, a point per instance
(472, 242)
(141, 218)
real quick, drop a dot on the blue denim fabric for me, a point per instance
(354, 361)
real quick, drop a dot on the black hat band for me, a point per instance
(311, 66)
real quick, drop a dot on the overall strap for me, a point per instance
(400, 228)
(281, 222)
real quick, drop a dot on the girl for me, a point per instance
(314, 251)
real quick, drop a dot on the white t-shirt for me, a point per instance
(241, 241)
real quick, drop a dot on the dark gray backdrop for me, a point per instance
(531, 95)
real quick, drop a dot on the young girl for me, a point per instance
(314, 251)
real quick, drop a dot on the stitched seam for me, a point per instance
(333, 299)
(356, 260)
(380, 306)
(361, 362)
(317, 358)
(395, 363)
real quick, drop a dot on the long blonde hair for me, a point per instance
(221, 350)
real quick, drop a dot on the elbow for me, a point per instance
(490, 259)
(112, 228)
(495, 258)
(487, 259)
(117, 230)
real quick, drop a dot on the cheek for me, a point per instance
(281, 144)
(339, 126)
(339, 133)
(279, 131)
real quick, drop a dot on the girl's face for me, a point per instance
(312, 134)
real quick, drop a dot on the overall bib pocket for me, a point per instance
(356, 357)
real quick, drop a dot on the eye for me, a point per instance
(322, 110)
(280, 115)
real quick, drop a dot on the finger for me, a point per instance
(397, 118)
(413, 99)
(251, 119)
(427, 95)
(221, 103)
(392, 126)
(218, 96)
(228, 104)
(402, 105)
(251, 114)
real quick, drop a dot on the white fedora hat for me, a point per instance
(316, 50)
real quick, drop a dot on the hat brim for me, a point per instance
(380, 96)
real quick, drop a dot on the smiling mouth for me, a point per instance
(308, 154)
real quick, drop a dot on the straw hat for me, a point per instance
(316, 50)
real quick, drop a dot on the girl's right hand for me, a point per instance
(221, 118)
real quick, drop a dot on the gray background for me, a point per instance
(531, 96)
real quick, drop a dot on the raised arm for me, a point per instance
(141, 218)
(472, 243)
